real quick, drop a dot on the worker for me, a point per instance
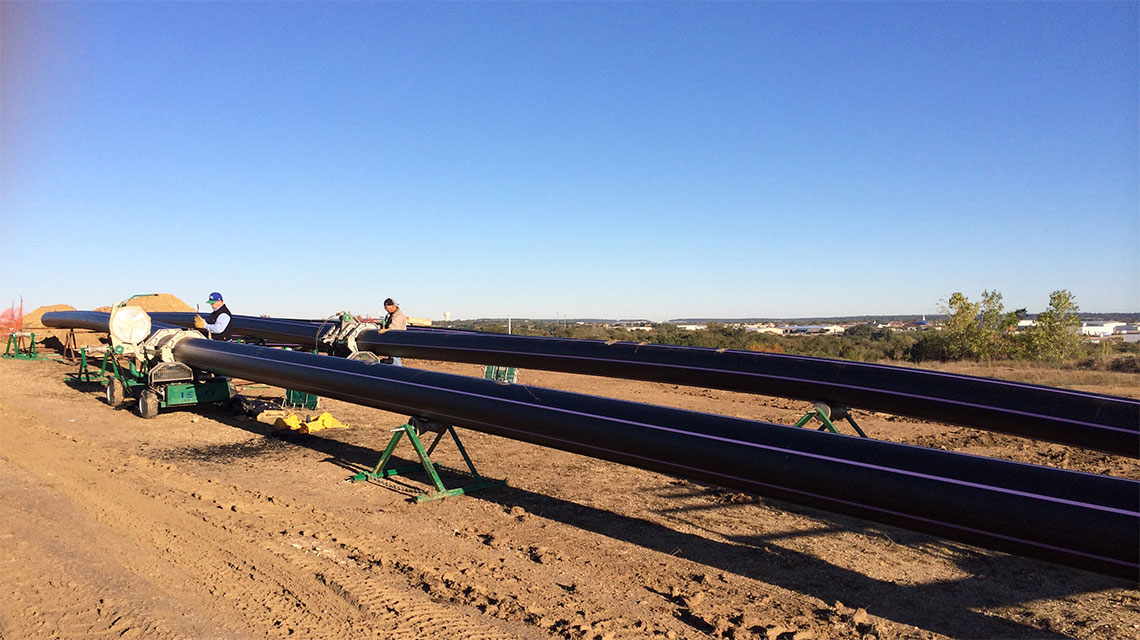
(394, 321)
(219, 324)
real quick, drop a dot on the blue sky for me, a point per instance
(618, 160)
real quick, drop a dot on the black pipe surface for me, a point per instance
(1083, 520)
(1095, 421)
(302, 333)
(1090, 420)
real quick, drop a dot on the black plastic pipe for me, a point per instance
(1095, 421)
(301, 333)
(1083, 520)
(1090, 420)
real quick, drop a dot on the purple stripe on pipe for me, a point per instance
(828, 383)
(834, 460)
(818, 496)
(781, 356)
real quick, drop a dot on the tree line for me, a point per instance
(972, 330)
(984, 330)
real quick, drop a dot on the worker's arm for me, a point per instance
(221, 324)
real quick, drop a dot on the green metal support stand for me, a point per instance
(85, 374)
(132, 378)
(500, 374)
(829, 415)
(410, 429)
(17, 349)
(300, 400)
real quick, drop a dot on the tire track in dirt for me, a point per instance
(163, 548)
(417, 614)
(565, 550)
(42, 566)
(408, 595)
(220, 556)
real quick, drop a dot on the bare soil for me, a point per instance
(202, 524)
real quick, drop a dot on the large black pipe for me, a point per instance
(1095, 421)
(1076, 418)
(1083, 520)
(302, 333)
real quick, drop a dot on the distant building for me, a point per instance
(775, 330)
(812, 329)
(633, 325)
(1100, 328)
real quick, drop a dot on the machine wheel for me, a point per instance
(116, 393)
(148, 404)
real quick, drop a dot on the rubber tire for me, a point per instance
(116, 392)
(148, 404)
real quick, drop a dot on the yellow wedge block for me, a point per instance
(323, 421)
(290, 421)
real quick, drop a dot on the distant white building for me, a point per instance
(812, 329)
(1100, 328)
(775, 330)
(633, 325)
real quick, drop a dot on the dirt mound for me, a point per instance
(155, 302)
(33, 320)
(161, 302)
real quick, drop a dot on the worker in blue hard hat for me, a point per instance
(219, 323)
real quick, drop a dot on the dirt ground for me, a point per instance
(201, 524)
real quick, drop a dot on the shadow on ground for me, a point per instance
(950, 608)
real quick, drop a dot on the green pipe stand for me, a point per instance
(18, 349)
(500, 374)
(828, 415)
(411, 428)
(300, 400)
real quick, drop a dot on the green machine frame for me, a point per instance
(153, 395)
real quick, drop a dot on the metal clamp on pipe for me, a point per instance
(340, 339)
(424, 425)
(160, 345)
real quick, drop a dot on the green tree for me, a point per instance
(962, 333)
(995, 327)
(860, 331)
(930, 346)
(1057, 334)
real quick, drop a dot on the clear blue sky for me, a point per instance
(618, 160)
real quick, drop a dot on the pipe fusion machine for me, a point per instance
(140, 364)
